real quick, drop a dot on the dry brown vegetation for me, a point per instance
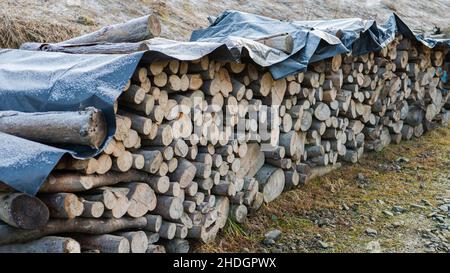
(14, 30)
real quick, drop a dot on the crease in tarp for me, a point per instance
(323, 38)
(34, 81)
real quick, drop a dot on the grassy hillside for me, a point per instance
(54, 20)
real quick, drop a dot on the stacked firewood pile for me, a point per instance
(203, 141)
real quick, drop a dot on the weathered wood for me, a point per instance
(49, 244)
(135, 30)
(87, 127)
(138, 240)
(176, 245)
(271, 180)
(282, 41)
(72, 182)
(62, 205)
(105, 243)
(23, 211)
(11, 235)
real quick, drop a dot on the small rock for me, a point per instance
(398, 224)
(246, 250)
(268, 242)
(381, 202)
(345, 207)
(264, 250)
(323, 244)
(273, 234)
(402, 159)
(277, 250)
(398, 209)
(426, 202)
(371, 218)
(444, 207)
(360, 176)
(371, 232)
(388, 213)
(373, 247)
(323, 222)
(417, 206)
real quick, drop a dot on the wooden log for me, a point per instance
(114, 199)
(271, 180)
(160, 184)
(167, 230)
(154, 223)
(23, 211)
(238, 213)
(105, 243)
(176, 245)
(92, 209)
(63, 205)
(169, 207)
(103, 48)
(87, 127)
(292, 179)
(49, 244)
(10, 235)
(88, 166)
(283, 42)
(135, 30)
(72, 182)
(156, 248)
(153, 160)
(184, 174)
(138, 240)
(152, 237)
(142, 199)
(123, 163)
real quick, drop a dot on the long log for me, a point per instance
(104, 48)
(87, 127)
(11, 235)
(49, 244)
(73, 182)
(135, 30)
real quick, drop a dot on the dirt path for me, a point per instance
(397, 200)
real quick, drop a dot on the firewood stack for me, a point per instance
(188, 152)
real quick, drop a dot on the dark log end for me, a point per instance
(29, 212)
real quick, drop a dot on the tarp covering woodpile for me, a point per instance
(120, 130)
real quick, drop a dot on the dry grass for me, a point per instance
(15, 30)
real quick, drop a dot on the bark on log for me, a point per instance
(72, 182)
(135, 30)
(87, 127)
(49, 244)
(11, 235)
(271, 180)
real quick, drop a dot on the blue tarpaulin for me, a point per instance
(34, 81)
(313, 40)
(46, 81)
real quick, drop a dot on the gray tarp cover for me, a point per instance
(46, 81)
